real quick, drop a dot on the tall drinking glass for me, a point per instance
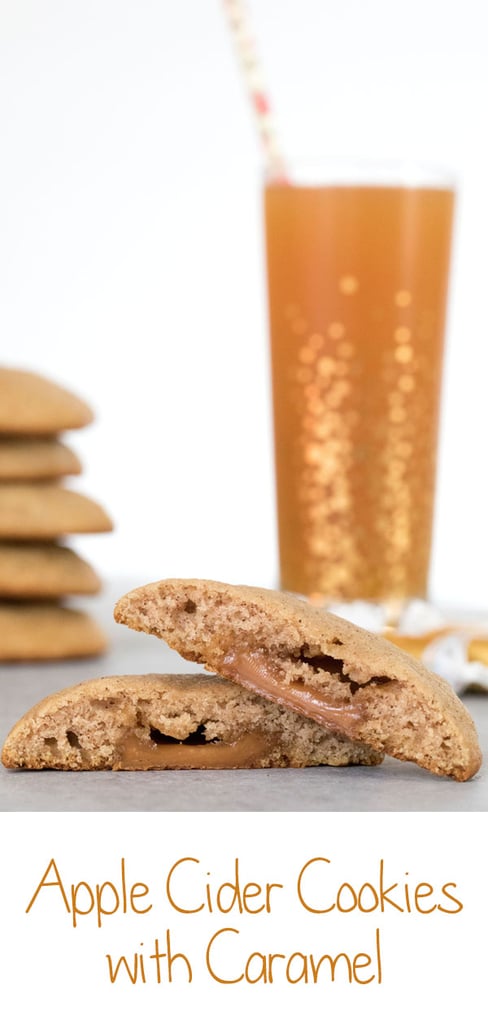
(358, 267)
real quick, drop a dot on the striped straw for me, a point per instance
(246, 50)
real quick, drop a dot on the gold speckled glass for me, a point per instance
(358, 277)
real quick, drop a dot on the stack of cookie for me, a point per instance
(37, 571)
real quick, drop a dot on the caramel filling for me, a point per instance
(135, 754)
(259, 673)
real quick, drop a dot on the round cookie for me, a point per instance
(156, 722)
(30, 458)
(32, 404)
(319, 665)
(44, 570)
(45, 511)
(41, 632)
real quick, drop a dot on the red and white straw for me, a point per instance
(246, 49)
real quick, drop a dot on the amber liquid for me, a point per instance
(357, 295)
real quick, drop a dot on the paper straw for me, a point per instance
(251, 68)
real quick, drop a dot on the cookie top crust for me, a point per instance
(170, 721)
(32, 404)
(46, 511)
(31, 458)
(319, 664)
(44, 570)
(31, 631)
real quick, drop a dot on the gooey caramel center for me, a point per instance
(134, 754)
(261, 674)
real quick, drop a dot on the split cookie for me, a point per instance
(31, 458)
(44, 511)
(31, 404)
(44, 570)
(170, 721)
(42, 632)
(314, 663)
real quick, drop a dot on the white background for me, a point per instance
(131, 262)
(434, 966)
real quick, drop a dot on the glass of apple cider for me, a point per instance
(358, 265)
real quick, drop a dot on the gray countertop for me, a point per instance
(394, 786)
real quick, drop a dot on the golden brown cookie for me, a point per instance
(41, 632)
(153, 721)
(31, 458)
(44, 511)
(31, 404)
(43, 570)
(315, 663)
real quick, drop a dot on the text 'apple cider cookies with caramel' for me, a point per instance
(148, 722)
(342, 677)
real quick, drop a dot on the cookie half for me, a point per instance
(44, 570)
(32, 404)
(314, 663)
(44, 511)
(33, 458)
(155, 721)
(42, 632)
